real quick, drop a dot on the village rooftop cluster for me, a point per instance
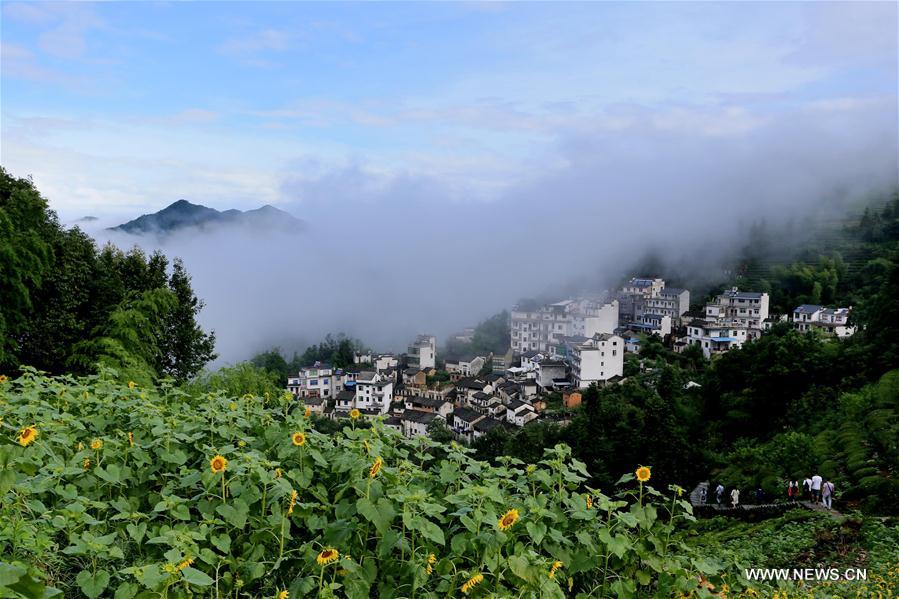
(556, 349)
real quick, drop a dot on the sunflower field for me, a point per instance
(113, 490)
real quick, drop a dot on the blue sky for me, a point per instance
(121, 108)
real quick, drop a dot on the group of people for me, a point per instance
(814, 489)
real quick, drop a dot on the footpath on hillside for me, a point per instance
(774, 508)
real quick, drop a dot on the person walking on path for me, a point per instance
(735, 496)
(816, 488)
(807, 488)
(719, 491)
(703, 495)
(792, 490)
(827, 494)
(759, 495)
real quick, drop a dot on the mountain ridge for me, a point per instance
(183, 214)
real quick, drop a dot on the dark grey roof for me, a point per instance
(466, 414)
(393, 421)
(487, 424)
(411, 371)
(417, 400)
(515, 404)
(808, 308)
(419, 416)
(313, 401)
(471, 384)
(480, 395)
(671, 291)
(346, 395)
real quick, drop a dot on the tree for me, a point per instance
(186, 348)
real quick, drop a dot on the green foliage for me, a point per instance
(490, 336)
(117, 497)
(65, 305)
(237, 380)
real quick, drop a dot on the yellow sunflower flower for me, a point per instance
(132, 384)
(277, 473)
(27, 436)
(308, 412)
(508, 520)
(354, 413)
(130, 438)
(552, 571)
(299, 439)
(293, 501)
(432, 559)
(97, 444)
(643, 473)
(218, 464)
(283, 594)
(589, 502)
(472, 583)
(86, 464)
(375, 468)
(3, 378)
(327, 556)
(188, 561)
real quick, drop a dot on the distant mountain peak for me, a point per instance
(183, 214)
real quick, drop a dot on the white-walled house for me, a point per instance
(416, 422)
(463, 421)
(741, 308)
(374, 391)
(670, 301)
(538, 328)
(714, 337)
(830, 321)
(520, 413)
(317, 380)
(422, 353)
(467, 366)
(593, 359)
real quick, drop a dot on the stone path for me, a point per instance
(727, 509)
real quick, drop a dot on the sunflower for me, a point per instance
(3, 378)
(643, 473)
(132, 384)
(508, 520)
(472, 582)
(27, 436)
(293, 501)
(327, 556)
(375, 468)
(308, 412)
(232, 406)
(432, 559)
(277, 473)
(589, 502)
(354, 413)
(218, 464)
(283, 594)
(187, 561)
(299, 439)
(86, 463)
(97, 444)
(131, 438)
(552, 571)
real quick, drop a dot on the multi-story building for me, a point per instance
(739, 308)
(670, 301)
(422, 352)
(633, 295)
(318, 380)
(830, 321)
(466, 366)
(538, 328)
(374, 391)
(593, 359)
(715, 337)
(502, 362)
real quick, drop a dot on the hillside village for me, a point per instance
(556, 350)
